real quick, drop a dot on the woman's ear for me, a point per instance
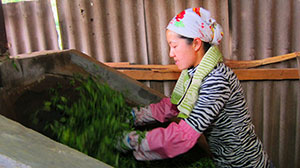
(197, 44)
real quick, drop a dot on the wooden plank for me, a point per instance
(117, 64)
(234, 64)
(255, 63)
(151, 75)
(242, 74)
(139, 66)
(267, 74)
(171, 72)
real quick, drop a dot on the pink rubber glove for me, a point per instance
(161, 111)
(161, 143)
(142, 116)
(164, 110)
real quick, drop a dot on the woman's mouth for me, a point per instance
(176, 62)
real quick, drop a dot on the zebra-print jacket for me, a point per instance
(221, 113)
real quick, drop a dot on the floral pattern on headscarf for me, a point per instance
(178, 18)
(197, 22)
(197, 10)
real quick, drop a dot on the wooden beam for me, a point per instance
(242, 74)
(122, 65)
(171, 72)
(150, 75)
(117, 64)
(267, 74)
(234, 64)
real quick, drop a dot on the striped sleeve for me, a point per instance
(213, 95)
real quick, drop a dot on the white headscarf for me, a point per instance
(197, 22)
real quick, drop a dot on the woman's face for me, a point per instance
(183, 53)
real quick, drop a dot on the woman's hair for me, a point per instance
(190, 41)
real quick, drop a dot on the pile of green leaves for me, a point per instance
(89, 120)
(91, 117)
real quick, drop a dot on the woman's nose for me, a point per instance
(171, 54)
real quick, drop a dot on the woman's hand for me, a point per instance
(123, 143)
(161, 111)
(142, 115)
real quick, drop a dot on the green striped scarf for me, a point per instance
(185, 93)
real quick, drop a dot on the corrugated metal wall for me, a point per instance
(111, 31)
(262, 29)
(30, 27)
(134, 31)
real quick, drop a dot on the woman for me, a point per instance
(207, 97)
